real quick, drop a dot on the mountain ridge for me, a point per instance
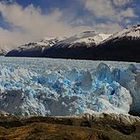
(89, 45)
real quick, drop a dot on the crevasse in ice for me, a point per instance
(62, 90)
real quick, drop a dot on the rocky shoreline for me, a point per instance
(85, 127)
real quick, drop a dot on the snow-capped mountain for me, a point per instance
(121, 46)
(43, 48)
(43, 44)
(86, 39)
(89, 38)
(35, 49)
(124, 45)
(77, 46)
(132, 33)
(4, 49)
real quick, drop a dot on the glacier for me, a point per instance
(58, 87)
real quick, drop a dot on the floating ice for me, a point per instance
(66, 87)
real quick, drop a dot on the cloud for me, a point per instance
(110, 9)
(30, 24)
(100, 8)
(121, 2)
(128, 13)
(8, 39)
(108, 27)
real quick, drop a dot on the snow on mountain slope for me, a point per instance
(47, 42)
(43, 48)
(68, 87)
(40, 45)
(4, 49)
(88, 38)
(34, 49)
(79, 46)
(132, 33)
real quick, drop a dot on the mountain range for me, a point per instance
(89, 45)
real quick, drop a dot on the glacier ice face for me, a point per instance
(67, 87)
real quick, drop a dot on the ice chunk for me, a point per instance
(72, 75)
(103, 72)
(85, 80)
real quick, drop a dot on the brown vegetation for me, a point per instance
(105, 127)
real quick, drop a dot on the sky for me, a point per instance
(22, 21)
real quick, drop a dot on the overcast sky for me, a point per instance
(29, 20)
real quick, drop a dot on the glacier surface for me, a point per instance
(30, 86)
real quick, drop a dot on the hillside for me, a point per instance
(87, 127)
